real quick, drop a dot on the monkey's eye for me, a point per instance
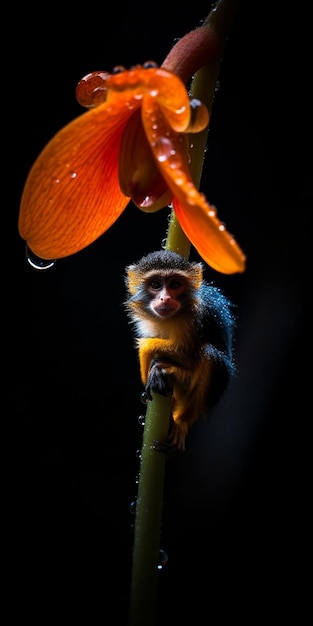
(175, 283)
(155, 284)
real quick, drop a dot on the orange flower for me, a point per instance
(133, 144)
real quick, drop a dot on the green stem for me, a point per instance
(143, 598)
(149, 514)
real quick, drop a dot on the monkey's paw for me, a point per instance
(157, 382)
(167, 448)
(175, 441)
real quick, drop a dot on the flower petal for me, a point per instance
(139, 175)
(197, 218)
(72, 193)
(164, 86)
(208, 235)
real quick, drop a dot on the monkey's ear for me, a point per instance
(133, 278)
(196, 274)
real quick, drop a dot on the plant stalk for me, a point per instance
(149, 504)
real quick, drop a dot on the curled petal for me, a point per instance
(208, 235)
(164, 86)
(196, 217)
(139, 175)
(72, 193)
(199, 116)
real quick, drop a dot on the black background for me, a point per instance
(236, 501)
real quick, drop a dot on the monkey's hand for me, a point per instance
(158, 381)
(175, 442)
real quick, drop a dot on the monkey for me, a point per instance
(184, 328)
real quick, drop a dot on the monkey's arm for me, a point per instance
(165, 369)
(155, 357)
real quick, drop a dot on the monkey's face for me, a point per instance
(166, 294)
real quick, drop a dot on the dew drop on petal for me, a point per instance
(98, 96)
(138, 454)
(149, 64)
(36, 262)
(117, 69)
(91, 90)
(179, 176)
(163, 149)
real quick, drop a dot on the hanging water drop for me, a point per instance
(163, 559)
(141, 420)
(144, 398)
(36, 262)
(132, 507)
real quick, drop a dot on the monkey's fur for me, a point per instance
(184, 335)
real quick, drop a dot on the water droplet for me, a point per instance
(163, 243)
(144, 398)
(163, 149)
(132, 507)
(118, 69)
(138, 454)
(181, 110)
(149, 64)
(137, 479)
(36, 262)
(179, 176)
(141, 420)
(163, 559)
(73, 174)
